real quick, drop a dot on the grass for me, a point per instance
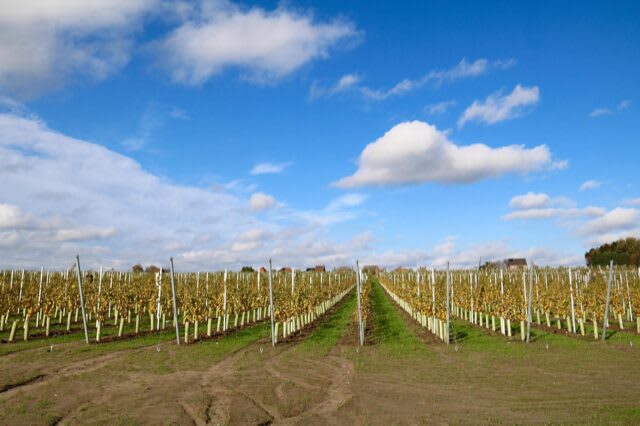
(329, 332)
(389, 329)
(197, 356)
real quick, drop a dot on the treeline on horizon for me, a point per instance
(623, 252)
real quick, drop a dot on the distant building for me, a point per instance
(510, 264)
(320, 268)
(343, 269)
(285, 269)
(263, 269)
(516, 263)
(371, 269)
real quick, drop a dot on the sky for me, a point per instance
(226, 133)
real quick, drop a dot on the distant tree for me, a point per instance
(623, 252)
(246, 269)
(137, 268)
(152, 269)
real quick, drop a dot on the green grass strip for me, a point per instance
(329, 332)
(389, 328)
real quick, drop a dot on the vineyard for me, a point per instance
(579, 301)
(153, 302)
(343, 346)
(205, 304)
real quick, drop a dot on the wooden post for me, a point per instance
(433, 298)
(358, 289)
(529, 302)
(40, 287)
(448, 290)
(273, 331)
(573, 308)
(175, 302)
(606, 306)
(225, 322)
(84, 315)
(159, 283)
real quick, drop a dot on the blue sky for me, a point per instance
(398, 133)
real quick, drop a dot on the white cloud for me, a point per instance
(624, 104)
(553, 213)
(340, 209)
(81, 234)
(44, 44)
(439, 108)
(589, 184)
(416, 152)
(11, 216)
(464, 69)
(269, 168)
(498, 107)
(152, 119)
(600, 239)
(261, 201)
(267, 45)
(346, 82)
(245, 245)
(62, 196)
(618, 219)
(347, 200)
(599, 112)
(536, 206)
(467, 256)
(529, 200)
(632, 202)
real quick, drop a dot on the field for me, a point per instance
(319, 374)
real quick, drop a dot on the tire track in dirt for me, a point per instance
(77, 368)
(220, 395)
(222, 384)
(338, 394)
(333, 366)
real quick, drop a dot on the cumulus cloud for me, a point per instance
(529, 200)
(269, 168)
(535, 206)
(618, 219)
(416, 152)
(589, 184)
(498, 107)
(266, 45)
(595, 225)
(260, 201)
(44, 44)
